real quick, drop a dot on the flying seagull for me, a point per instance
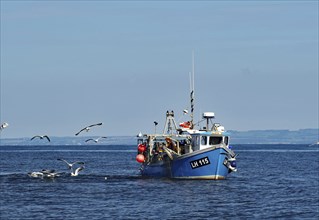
(87, 128)
(70, 165)
(76, 172)
(41, 137)
(95, 140)
(3, 126)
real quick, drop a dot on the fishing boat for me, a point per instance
(184, 152)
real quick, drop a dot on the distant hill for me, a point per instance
(302, 136)
(113, 140)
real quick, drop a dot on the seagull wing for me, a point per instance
(69, 164)
(100, 138)
(89, 140)
(78, 162)
(47, 137)
(76, 172)
(95, 124)
(37, 136)
(45, 171)
(80, 131)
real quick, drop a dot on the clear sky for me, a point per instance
(67, 64)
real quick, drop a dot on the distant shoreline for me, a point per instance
(302, 136)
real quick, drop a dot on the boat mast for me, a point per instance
(170, 124)
(192, 85)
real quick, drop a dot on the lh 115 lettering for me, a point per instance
(199, 162)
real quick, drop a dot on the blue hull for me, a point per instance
(204, 164)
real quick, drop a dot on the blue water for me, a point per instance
(273, 181)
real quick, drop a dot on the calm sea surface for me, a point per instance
(273, 181)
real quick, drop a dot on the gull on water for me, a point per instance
(88, 128)
(70, 166)
(41, 137)
(44, 174)
(95, 140)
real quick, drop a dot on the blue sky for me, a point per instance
(67, 64)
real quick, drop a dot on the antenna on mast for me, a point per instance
(192, 88)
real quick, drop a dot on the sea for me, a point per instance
(273, 181)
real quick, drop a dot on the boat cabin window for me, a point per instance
(195, 142)
(226, 140)
(203, 140)
(215, 140)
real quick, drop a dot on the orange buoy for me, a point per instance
(141, 148)
(140, 158)
(186, 124)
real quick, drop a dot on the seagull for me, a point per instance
(76, 172)
(155, 123)
(36, 174)
(95, 140)
(49, 173)
(3, 126)
(44, 174)
(139, 134)
(87, 128)
(41, 137)
(70, 165)
(185, 111)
